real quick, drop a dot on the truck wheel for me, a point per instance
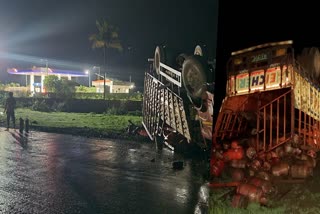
(201, 51)
(158, 57)
(194, 76)
(180, 59)
(198, 51)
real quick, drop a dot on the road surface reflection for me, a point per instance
(55, 173)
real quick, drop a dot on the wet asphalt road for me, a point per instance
(54, 173)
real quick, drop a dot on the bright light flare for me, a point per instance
(39, 60)
(54, 23)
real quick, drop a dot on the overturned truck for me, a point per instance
(178, 99)
(268, 123)
(271, 98)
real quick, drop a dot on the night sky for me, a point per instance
(247, 23)
(59, 30)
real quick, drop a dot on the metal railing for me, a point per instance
(275, 122)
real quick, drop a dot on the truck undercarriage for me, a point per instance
(178, 101)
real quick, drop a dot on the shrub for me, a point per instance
(59, 106)
(40, 106)
(135, 113)
(116, 111)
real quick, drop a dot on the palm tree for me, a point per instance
(107, 37)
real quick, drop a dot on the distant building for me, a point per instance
(113, 86)
(42, 72)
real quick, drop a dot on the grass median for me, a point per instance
(84, 124)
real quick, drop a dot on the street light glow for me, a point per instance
(37, 60)
(88, 73)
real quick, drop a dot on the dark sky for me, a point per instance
(248, 23)
(59, 29)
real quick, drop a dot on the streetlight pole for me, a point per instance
(104, 83)
(89, 79)
(42, 76)
(98, 67)
(89, 76)
(47, 66)
(104, 86)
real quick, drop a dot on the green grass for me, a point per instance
(302, 199)
(224, 207)
(103, 122)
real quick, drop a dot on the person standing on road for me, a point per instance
(9, 107)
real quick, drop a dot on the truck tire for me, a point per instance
(198, 51)
(158, 57)
(201, 50)
(194, 76)
(180, 59)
